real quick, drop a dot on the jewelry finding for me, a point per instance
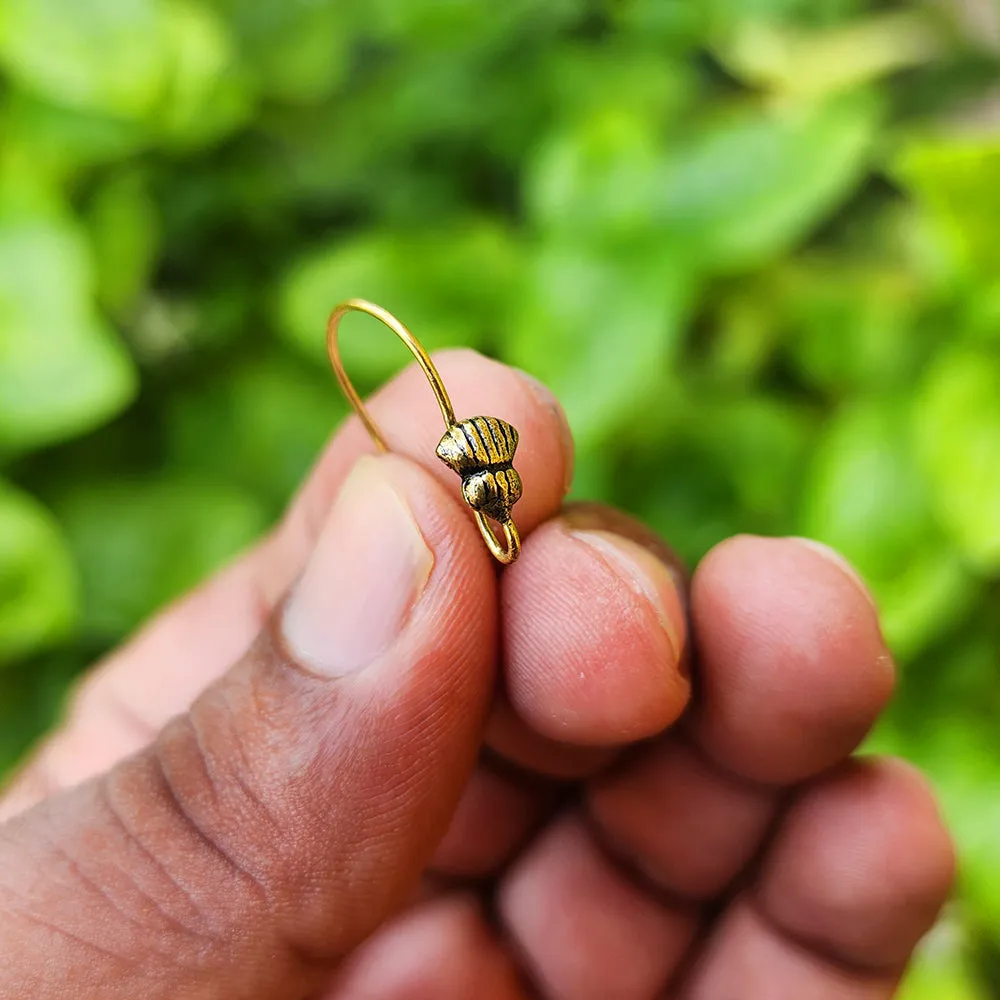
(480, 449)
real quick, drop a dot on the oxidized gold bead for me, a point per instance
(481, 450)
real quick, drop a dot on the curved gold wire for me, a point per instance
(500, 553)
(504, 553)
(416, 348)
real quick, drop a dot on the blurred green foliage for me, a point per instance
(754, 239)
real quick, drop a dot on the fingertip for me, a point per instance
(442, 948)
(794, 669)
(862, 864)
(594, 637)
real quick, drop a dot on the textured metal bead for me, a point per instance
(481, 450)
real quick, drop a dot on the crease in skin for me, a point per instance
(175, 801)
(162, 871)
(817, 948)
(53, 927)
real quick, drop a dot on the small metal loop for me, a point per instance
(502, 554)
(417, 349)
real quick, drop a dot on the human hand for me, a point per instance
(322, 817)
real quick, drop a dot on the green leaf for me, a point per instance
(207, 93)
(601, 332)
(865, 496)
(959, 753)
(819, 63)
(851, 326)
(953, 180)
(694, 510)
(451, 287)
(259, 426)
(793, 11)
(754, 186)
(760, 443)
(300, 52)
(38, 586)
(668, 22)
(730, 197)
(105, 56)
(140, 543)
(459, 22)
(957, 427)
(943, 968)
(32, 699)
(597, 180)
(61, 141)
(62, 372)
(125, 236)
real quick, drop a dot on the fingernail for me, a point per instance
(831, 555)
(584, 515)
(544, 395)
(646, 575)
(368, 568)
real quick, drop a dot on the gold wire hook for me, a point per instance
(480, 449)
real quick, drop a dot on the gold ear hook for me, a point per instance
(480, 449)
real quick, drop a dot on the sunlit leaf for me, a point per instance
(100, 55)
(758, 183)
(953, 179)
(823, 62)
(943, 968)
(62, 371)
(125, 235)
(600, 332)
(451, 288)
(38, 585)
(865, 496)
(207, 94)
(728, 197)
(957, 426)
(299, 52)
(64, 141)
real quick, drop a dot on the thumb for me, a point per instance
(273, 827)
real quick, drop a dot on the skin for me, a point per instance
(525, 800)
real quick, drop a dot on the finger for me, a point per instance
(794, 667)
(857, 874)
(122, 705)
(594, 644)
(442, 950)
(584, 930)
(273, 827)
(861, 867)
(596, 650)
(594, 635)
(497, 813)
(792, 671)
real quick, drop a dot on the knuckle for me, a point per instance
(209, 792)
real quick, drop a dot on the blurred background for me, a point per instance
(754, 243)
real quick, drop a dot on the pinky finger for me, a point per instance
(857, 873)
